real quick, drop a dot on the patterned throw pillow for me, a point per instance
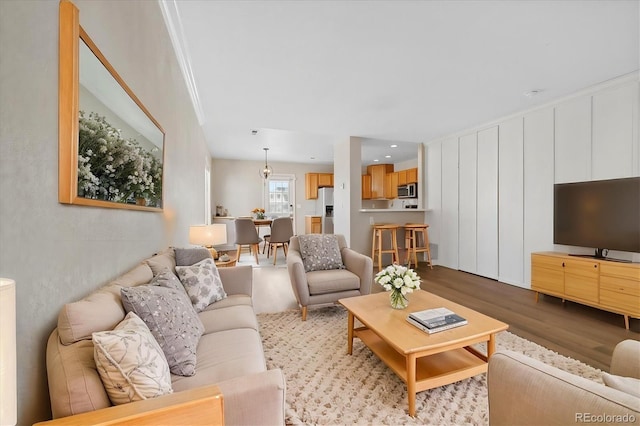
(168, 279)
(320, 252)
(130, 362)
(202, 283)
(172, 320)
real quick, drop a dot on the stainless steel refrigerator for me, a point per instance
(324, 208)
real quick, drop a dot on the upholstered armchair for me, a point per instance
(322, 286)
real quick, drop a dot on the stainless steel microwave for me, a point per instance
(408, 191)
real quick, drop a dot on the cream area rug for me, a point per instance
(325, 386)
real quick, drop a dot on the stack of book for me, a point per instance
(435, 320)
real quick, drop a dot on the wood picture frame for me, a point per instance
(118, 124)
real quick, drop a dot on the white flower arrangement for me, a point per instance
(113, 168)
(400, 281)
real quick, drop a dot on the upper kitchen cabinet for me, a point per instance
(378, 174)
(366, 187)
(313, 181)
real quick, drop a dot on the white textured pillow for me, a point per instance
(130, 362)
(628, 385)
(202, 283)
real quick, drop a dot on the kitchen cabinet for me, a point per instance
(313, 181)
(412, 175)
(378, 174)
(391, 185)
(402, 177)
(325, 180)
(311, 186)
(366, 187)
(313, 225)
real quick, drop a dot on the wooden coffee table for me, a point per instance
(423, 361)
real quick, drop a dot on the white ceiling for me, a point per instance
(309, 73)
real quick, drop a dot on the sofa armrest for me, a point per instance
(524, 391)
(298, 276)
(200, 406)
(360, 265)
(624, 361)
(237, 279)
(255, 399)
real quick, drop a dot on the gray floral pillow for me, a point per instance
(202, 283)
(172, 320)
(320, 252)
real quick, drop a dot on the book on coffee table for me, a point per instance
(435, 320)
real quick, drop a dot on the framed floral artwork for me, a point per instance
(111, 149)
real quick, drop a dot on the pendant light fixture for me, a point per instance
(267, 170)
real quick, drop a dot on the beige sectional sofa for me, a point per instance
(229, 353)
(524, 391)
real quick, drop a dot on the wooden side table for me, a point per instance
(229, 263)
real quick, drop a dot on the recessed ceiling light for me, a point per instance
(394, 146)
(376, 161)
(387, 156)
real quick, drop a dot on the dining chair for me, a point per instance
(247, 235)
(281, 233)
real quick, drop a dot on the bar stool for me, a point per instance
(412, 243)
(376, 245)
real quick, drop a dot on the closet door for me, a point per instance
(573, 140)
(467, 199)
(614, 148)
(510, 202)
(487, 205)
(538, 186)
(448, 249)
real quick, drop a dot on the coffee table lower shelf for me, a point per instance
(431, 371)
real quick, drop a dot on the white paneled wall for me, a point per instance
(573, 140)
(487, 240)
(510, 202)
(468, 154)
(538, 185)
(434, 196)
(490, 190)
(448, 248)
(613, 146)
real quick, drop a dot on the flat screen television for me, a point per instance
(602, 214)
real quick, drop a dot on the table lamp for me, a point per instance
(208, 236)
(8, 387)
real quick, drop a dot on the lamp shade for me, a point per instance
(8, 387)
(208, 235)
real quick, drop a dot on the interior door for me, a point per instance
(279, 197)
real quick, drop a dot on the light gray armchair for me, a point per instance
(524, 391)
(327, 286)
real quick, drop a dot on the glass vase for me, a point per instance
(398, 300)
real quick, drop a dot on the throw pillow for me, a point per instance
(320, 252)
(172, 320)
(629, 385)
(202, 283)
(191, 256)
(130, 362)
(168, 279)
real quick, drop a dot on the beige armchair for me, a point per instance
(524, 391)
(327, 286)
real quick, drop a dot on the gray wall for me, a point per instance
(59, 253)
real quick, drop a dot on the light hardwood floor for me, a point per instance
(571, 329)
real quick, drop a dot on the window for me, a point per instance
(278, 197)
